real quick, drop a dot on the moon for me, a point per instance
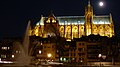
(101, 4)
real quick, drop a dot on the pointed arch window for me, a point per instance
(75, 32)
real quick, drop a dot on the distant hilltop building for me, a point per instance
(74, 26)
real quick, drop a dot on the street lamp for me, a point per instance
(49, 55)
(100, 55)
(40, 51)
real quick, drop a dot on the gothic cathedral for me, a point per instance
(74, 26)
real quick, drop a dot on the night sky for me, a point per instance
(14, 14)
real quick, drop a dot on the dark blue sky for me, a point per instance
(14, 14)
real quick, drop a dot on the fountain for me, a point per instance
(24, 58)
(25, 50)
(22, 53)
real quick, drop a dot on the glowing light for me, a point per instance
(69, 23)
(81, 61)
(13, 56)
(48, 21)
(103, 56)
(68, 40)
(40, 51)
(53, 21)
(61, 58)
(41, 43)
(99, 55)
(37, 24)
(101, 3)
(64, 59)
(49, 55)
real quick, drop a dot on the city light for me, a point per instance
(40, 51)
(13, 56)
(99, 55)
(49, 55)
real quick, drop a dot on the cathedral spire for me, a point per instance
(89, 8)
(89, 3)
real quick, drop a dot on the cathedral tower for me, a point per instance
(88, 19)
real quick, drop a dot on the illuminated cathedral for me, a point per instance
(74, 26)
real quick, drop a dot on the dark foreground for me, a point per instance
(10, 65)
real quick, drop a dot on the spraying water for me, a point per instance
(23, 58)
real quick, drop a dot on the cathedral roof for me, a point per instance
(101, 20)
(68, 20)
(75, 20)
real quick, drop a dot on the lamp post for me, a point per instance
(100, 55)
(49, 55)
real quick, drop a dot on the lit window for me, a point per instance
(48, 21)
(8, 48)
(61, 23)
(17, 51)
(4, 48)
(61, 58)
(41, 43)
(57, 51)
(53, 21)
(3, 56)
(65, 21)
(64, 59)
